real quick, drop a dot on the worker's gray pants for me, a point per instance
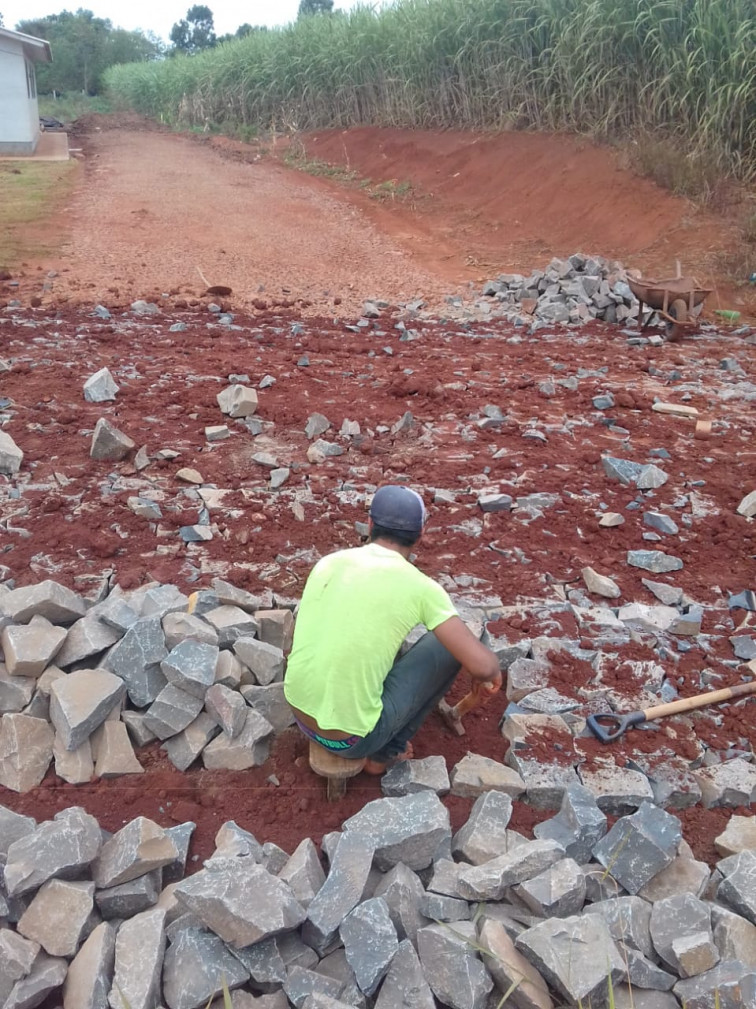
(414, 686)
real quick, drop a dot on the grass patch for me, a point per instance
(390, 190)
(299, 160)
(738, 263)
(695, 175)
(70, 107)
(29, 194)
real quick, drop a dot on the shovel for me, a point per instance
(611, 726)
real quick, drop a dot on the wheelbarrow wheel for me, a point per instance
(679, 312)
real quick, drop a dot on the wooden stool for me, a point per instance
(335, 769)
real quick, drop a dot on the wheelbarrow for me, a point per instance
(674, 300)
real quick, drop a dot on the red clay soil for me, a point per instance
(498, 202)
(153, 207)
(79, 527)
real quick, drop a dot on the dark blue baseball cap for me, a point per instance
(399, 508)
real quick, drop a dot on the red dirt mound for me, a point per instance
(513, 200)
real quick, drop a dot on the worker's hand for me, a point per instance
(487, 688)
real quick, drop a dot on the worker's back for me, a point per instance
(357, 608)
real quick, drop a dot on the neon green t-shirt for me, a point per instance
(357, 607)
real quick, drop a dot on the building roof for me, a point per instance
(34, 49)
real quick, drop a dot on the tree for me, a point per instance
(195, 32)
(242, 32)
(308, 7)
(83, 47)
(1, 20)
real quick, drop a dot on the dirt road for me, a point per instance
(156, 208)
(425, 215)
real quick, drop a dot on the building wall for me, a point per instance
(19, 111)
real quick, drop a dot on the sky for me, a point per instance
(160, 15)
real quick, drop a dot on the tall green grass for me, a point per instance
(683, 69)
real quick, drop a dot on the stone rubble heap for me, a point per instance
(405, 914)
(570, 291)
(84, 682)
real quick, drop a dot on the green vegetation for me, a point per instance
(195, 32)
(609, 68)
(28, 193)
(308, 7)
(83, 47)
(71, 106)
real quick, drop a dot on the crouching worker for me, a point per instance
(348, 690)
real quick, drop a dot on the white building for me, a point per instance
(19, 112)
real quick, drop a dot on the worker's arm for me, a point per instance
(479, 661)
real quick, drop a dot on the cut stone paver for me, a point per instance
(577, 956)
(370, 942)
(484, 835)
(90, 974)
(114, 754)
(29, 648)
(196, 967)
(405, 986)
(409, 829)
(249, 748)
(136, 849)
(578, 826)
(48, 599)
(639, 846)
(409, 776)
(184, 748)
(58, 916)
(81, 701)
(227, 708)
(738, 888)
(490, 880)
(730, 985)
(237, 401)
(739, 835)
(558, 892)
(26, 749)
(136, 659)
(476, 774)
(341, 892)
(100, 387)
(266, 661)
(190, 666)
(731, 784)
(241, 902)
(61, 847)
(454, 970)
(108, 443)
(139, 949)
(172, 711)
(511, 972)
(303, 872)
(403, 892)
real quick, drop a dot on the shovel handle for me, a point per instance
(611, 726)
(699, 701)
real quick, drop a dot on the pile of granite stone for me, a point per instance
(573, 290)
(397, 913)
(83, 682)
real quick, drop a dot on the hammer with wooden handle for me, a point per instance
(611, 726)
(480, 694)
